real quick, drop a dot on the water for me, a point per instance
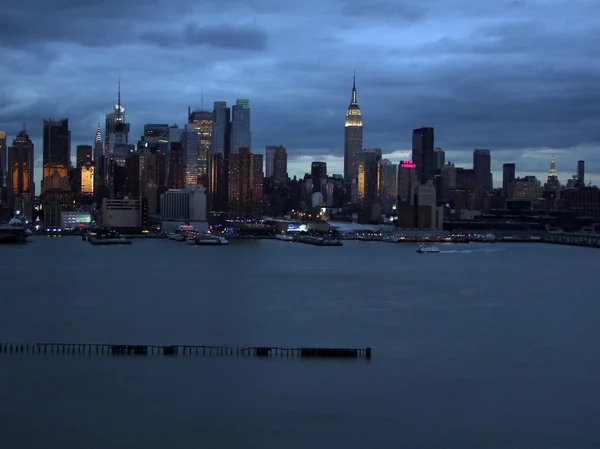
(481, 345)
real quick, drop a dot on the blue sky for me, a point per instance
(518, 77)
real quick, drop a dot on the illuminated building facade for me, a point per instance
(56, 156)
(203, 121)
(190, 147)
(87, 171)
(245, 195)
(20, 187)
(353, 138)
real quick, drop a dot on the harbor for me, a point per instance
(183, 350)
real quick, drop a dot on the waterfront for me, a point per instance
(481, 345)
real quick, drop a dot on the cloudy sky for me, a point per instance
(519, 77)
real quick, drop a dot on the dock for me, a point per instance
(180, 350)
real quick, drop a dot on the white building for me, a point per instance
(124, 213)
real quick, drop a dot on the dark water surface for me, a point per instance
(480, 346)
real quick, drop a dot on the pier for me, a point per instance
(180, 350)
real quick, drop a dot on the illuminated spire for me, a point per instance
(119, 95)
(98, 134)
(552, 172)
(353, 115)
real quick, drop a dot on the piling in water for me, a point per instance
(183, 350)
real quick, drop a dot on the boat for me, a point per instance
(428, 249)
(190, 240)
(390, 239)
(179, 238)
(209, 240)
(284, 237)
(171, 235)
(107, 237)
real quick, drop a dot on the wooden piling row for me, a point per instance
(180, 350)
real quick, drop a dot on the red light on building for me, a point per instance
(408, 164)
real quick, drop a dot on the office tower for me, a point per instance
(369, 181)
(190, 146)
(3, 167)
(276, 164)
(84, 154)
(20, 167)
(353, 137)
(56, 156)
(439, 157)
(318, 172)
(218, 159)
(203, 121)
(270, 160)
(422, 153)
(407, 182)
(508, 176)
(217, 184)
(389, 186)
(116, 149)
(482, 167)
(245, 195)
(176, 171)
(221, 131)
(580, 173)
(86, 175)
(241, 136)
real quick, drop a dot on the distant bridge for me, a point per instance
(179, 350)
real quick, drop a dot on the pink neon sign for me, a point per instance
(408, 164)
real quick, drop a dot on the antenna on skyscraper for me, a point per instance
(119, 94)
(202, 97)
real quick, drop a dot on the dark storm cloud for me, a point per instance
(517, 77)
(223, 36)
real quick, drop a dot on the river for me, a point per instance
(479, 346)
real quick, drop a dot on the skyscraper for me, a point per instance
(389, 186)
(407, 182)
(482, 163)
(276, 163)
(241, 137)
(203, 121)
(369, 182)
(221, 131)
(508, 176)
(3, 167)
(422, 153)
(353, 138)
(218, 160)
(56, 156)
(245, 185)
(190, 147)
(116, 148)
(318, 173)
(20, 164)
(580, 173)
(440, 159)
(83, 154)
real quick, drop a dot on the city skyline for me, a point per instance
(472, 94)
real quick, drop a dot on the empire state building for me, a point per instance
(353, 138)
